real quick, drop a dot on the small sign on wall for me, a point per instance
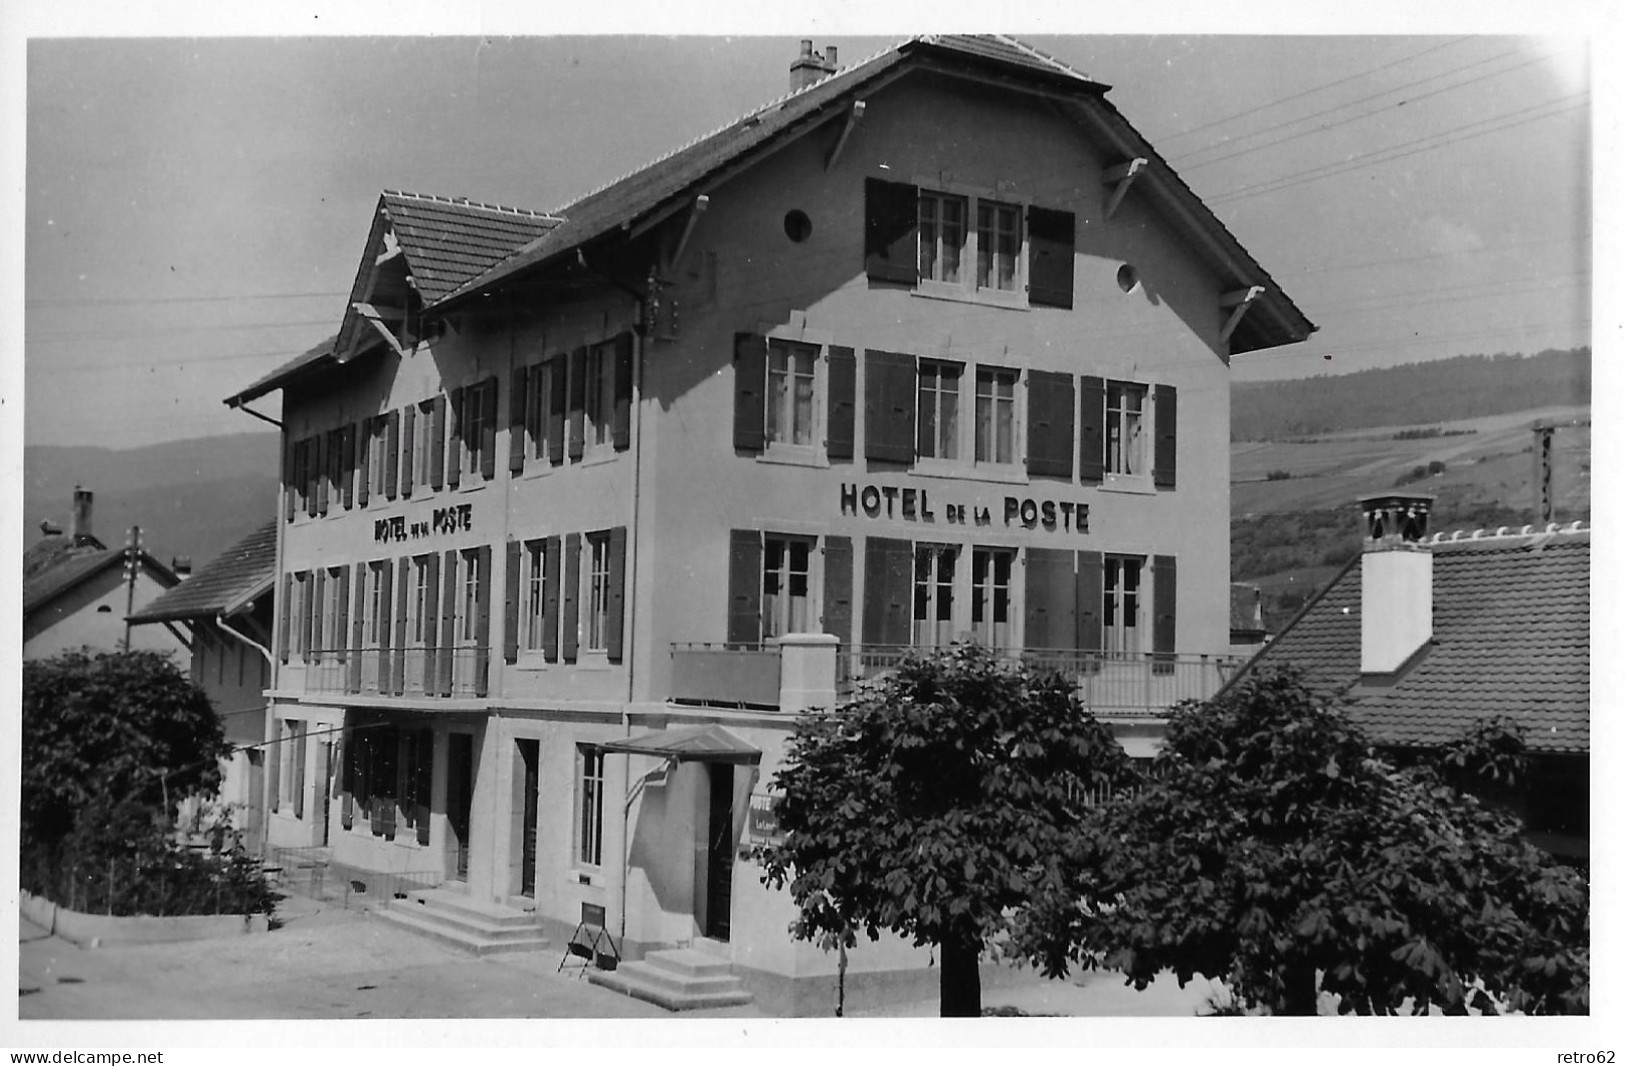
(762, 823)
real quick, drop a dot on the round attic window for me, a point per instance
(1127, 278)
(797, 226)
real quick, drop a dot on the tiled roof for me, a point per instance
(321, 353)
(237, 575)
(447, 241)
(70, 567)
(1510, 638)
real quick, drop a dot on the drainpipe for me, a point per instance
(220, 620)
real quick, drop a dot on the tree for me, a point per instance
(933, 804)
(1274, 849)
(115, 728)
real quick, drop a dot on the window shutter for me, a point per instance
(364, 455)
(888, 584)
(392, 454)
(298, 776)
(284, 609)
(437, 443)
(1165, 412)
(358, 629)
(838, 588)
(1051, 616)
(307, 616)
(349, 466)
(482, 620)
(572, 586)
(1164, 588)
(1051, 243)
(273, 767)
(1050, 404)
(888, 406)
(518, 388)
(348, 758)
(578, 403)
(337, 639)
(744, 587)
(402, 590)
(290, 452)
(890, 231)
(324, 471)
(431, 622)
(550, 599)
(454, 438)
(556, 406)
(310, 473)
(488, 429)
(616, 613)
(1092, 430)
(510, 607)
(320, 639)
(843, 395)
(448, 624)
(408, 447)
(386, 597)
(623, 392)
(425, 783)
(1091, 598)
(750, 391)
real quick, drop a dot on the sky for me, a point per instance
(196, 207)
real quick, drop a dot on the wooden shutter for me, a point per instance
(572, 588)
(431, 622)
(1050, 406)
(312, 475)
(364, 447)
(518, 390)
(890, 231)
(319, 639)
(307, 615)
(284, 610)
(557, 402)
(448, 625)
(550, 599)
(750, 391)
(888, 585)
(843, 397)
(488, 429)
(510, 608)
(623, 392)
(1050, 242)
(1051, 614)
(888, 406)
(578, 403)
(482, 618)
(437, 443)
(386, 593)
(273, 764)
(1165, 413)
(1091, 430)
(392, 454)
(349, 466)
(1091, 599)
(838, 588)
(425, 783)
(454, 438)
(616, 614)
(290, 451)
(358, 629)
(408, 449)
(1164, 590)
(324, 471)
(349, 758)
(403, 589)
(744, 586)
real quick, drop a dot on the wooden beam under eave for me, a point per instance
(701, 202)
(370, 313)
(853, 117)
(178, 635)
(1240, 300)
(1120, 177)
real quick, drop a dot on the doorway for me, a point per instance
(529, 756)
(459, 798)
(719, 859)
(324, 805)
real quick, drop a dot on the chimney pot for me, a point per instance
(182, 565)
(810, 67)
(806, 48)
(1396, 580)
(79, 523)
(829, 57)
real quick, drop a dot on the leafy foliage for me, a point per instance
(1276, 851)
(934, 804)
(1491, 752)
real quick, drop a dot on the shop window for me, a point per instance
(934, 594)
(990, 596)
(589, 850)
(786, 579)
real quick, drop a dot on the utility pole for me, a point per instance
(1545, 503)
(132, 555)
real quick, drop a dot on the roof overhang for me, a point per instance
(708, 743)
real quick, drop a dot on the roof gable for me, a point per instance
(75, 566)
(230, 581)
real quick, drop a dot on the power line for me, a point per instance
(97, 301)
(161, 331)
(1488, 249)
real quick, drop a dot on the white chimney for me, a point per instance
(810, 67)
(1396, 580)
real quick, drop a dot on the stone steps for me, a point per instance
(676, 979)
(470, 925)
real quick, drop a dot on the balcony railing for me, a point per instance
(735, 675)
(450, 672)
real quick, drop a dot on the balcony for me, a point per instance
(456, 673)
(1110, 685)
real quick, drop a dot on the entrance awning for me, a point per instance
(707, 743)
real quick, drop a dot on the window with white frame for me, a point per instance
(377, 626)
(595, 632)
(472, 425)
(786, 582)
(468, 605)
(424, 451)
(934, 566)
(790, 391)
(996, 415)
(990, 596)
(540, 383)
(998, 245)
(419, 603)
(331, 610)
(1126, 429)
(1120, 611)
(380, 456)
(534, 591)
(958, 232)
(600, 372)
(937, 420)
(942, 236)
(590, 807)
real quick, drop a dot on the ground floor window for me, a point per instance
(990, 596)
(416, 780)
(934, 594)
(291, 777)
(590, 804)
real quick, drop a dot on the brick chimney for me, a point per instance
(1396, 580)
(79, 523)
(181, 565)
(810, 66)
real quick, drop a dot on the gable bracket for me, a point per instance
(1120, 178)
(1240, 300)
(701, 202)
(854, 115)
(370, 313)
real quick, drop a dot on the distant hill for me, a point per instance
(191, 497)
(1445, 390)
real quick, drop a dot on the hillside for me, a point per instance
(192, 497)
(1445, 390)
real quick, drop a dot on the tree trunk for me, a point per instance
(961, 978)
(1300, 998)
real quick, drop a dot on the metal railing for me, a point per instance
(313, 873)
(452, 672)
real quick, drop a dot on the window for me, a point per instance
(420, 599)
(597, 627)
(425, 446)
(942, 236)
(789, 409)
(995, 415)
(933, 595)
(998, 245)
(1120, 611)
(590, 800)
(299, 612)
(469, 604)
(1125, 428)
(473, 426)
(332, 610)
(947, 241)
(600, 373)
(377, 626)
(937, 428)
(990, 596)
(531, 605)
(380, 455)
(541, 384)
(785, 583)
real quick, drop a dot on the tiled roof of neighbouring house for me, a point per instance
(229, 581)
(1511, 637)
(72, 565)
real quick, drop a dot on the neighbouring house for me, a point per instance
(1246, 618)
(226, 611)
(580, 508)
(1426, 635)
(77, 591)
